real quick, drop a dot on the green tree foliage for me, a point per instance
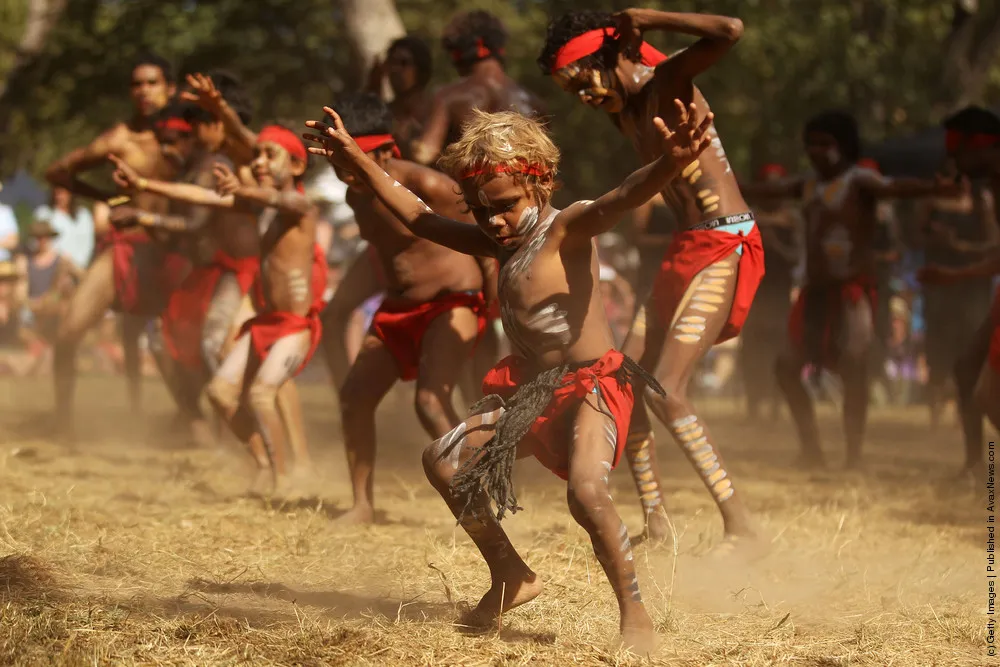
(885, 59)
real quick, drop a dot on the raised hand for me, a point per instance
(335, 144)
(203, 93)
(627, 32)
(690, 137)
(125, 176)
(226, 182)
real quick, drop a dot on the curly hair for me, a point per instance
(466, 32)
(573, 24)
(423, 61)
(505, 139)
(363, 114)
(840, 125)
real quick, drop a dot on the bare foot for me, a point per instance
(357, 516)
(638, 637)
(658, 529)
(514, 590)
(262, 483)
(744, 547)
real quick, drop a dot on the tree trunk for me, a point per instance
(970, 50)
(42, 17)
(371, 26)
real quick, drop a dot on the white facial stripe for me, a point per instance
(483, 199)
(529, 218)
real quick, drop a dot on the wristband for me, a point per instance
(142, 184)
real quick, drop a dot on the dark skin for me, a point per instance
(976, 381)
(547, 259)
(484, 86)
(411, 102)
(846, 198)
(633, 94)
(136, 143)
(245, 390)
(415, 270)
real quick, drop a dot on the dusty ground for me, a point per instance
(130, 550)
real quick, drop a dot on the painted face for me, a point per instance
(272, 165)
(176, 146)
(401, 69)
(503, 208)
(594, 87)
(149, 90)
(822, 151)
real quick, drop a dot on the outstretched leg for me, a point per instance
(696, 325)
(967, 371)
(854, 366)
(370, 379)
(444, 355)
(280, 365)
(591, 455)
(640, 449)
(93, 297)
(360, 283)
(512, 583)
(226, 391)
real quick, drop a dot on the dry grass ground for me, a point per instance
(128, 550)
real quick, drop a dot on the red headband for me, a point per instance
(953, 139)
(517, 168)
(481, 52)
(370, 142)
(771, 168)
(284, 138)
(592, 41)
(174, 123)
(869, 163)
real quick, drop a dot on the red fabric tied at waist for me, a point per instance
(693, 251)
(145, 273)
(851, 293)
(401, 325)
(269, 326)
(552, 432)
(184, 316)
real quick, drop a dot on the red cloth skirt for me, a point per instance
(184, 317)
(690, 253)
(401, 325)
(145, 273)
(267, 327)
(850, 292)
(551, 434)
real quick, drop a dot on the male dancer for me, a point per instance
(475, 43)
(566, 394)
(714, 263)
(832, 322)
(407, 66)
(434, 311)
(217, 305)
(973, 140)
(132, 272)
(279, 340)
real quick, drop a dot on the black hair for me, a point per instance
(571, 25)
(973, 120)
(468, 31)
(231, 89)
(422, 58)
(174, 109)
(150, 58)
(363, 114)
(840, 125)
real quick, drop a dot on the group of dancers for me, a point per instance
(214, 238)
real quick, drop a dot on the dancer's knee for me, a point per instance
(263, 398)
(442, 457)
(224, 395)
(587, 495)
(674, 397)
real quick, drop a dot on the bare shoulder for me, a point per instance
(114, 139)
(423, 181)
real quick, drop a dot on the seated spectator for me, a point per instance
(73, 224)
